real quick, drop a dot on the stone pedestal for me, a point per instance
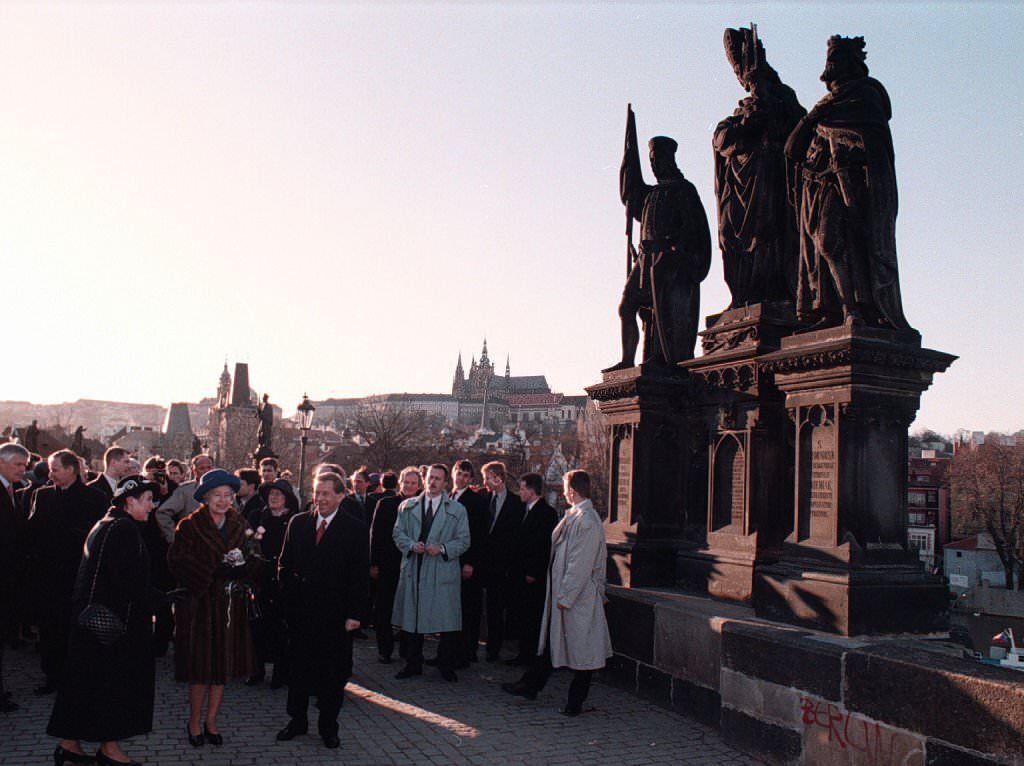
(748, 463)
(851, 392)
(650, 447)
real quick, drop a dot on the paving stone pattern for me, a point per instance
(420, 720)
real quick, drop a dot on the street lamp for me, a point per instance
(306, 410)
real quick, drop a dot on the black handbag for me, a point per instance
(100, 621)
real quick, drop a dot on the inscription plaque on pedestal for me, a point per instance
(623, 473)
(816, 497)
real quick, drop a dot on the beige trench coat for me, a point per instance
(578, 636)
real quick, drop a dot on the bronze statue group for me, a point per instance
(806, 209)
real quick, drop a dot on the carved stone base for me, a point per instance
(645, 409)
(648, 563)
(879, 600)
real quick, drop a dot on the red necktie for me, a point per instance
(320, 530)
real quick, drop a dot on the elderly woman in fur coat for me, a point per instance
(213, 641)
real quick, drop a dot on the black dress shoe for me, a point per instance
(196, 740)
(518, 660)
(106, 760)
(572, 712)
(213, 739)
(291, 731)
(462, 664)
(7, 706)
(255, 679)
(383, 659)
(449, 675)
(48, 688)
(519, 689)
(408, 672)
(331, 741)
(62, 756)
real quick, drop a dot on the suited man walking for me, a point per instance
(528, 572)
(324, 577)
(505, 511)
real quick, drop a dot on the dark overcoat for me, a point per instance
(55, 531)
(212, 640)
(106, 692)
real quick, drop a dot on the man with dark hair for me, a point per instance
(528, 573)
(177, 471)
(250, 503)
(574, 630)
(323, 571)
(270, 469)
(116, 465)
(60, 520)
(472, 570)
(360, 480)
(505, 514)
(386, 559)
(13, 463)
(431, 532)
(182, 501)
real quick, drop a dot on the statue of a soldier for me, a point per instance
(674, 255)
(265, 431)
(32, 437)
(845, 194)
(78, 440)
(756, 223)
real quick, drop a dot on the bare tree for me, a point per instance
(391, 428)
(593, 441)
(987, 484)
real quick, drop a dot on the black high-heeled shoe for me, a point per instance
(102, 759)
(196, 740)
(213, 739)
(62, 756)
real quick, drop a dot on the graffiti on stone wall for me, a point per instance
(833, 735)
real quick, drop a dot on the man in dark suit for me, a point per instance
(13, 462)
(505, 514)
(60, 520)
(116, 465)
(386, 559)
(250, 502)
(324, 577)
(528, 573)
(472, 571)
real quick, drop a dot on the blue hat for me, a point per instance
(216, 477)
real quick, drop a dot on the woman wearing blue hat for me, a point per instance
(212, 641)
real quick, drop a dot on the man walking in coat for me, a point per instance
(432, 531)
(324, 574)
(13, 462)
(574, 631)
(61, 517)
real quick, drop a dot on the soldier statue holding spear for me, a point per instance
(664, 274)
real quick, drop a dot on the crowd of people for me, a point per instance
(107, 571)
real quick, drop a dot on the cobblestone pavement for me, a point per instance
(422, 720)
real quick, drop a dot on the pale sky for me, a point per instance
(347, 195)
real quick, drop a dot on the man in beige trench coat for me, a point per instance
(574, 631)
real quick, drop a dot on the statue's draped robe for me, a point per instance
(845, 194)
(756, 224)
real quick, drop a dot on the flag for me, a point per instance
(1003, 639)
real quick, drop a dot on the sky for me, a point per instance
(347, 196)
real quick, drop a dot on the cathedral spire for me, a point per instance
(508, 369)
(483, 354)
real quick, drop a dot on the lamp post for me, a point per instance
(306, 410)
